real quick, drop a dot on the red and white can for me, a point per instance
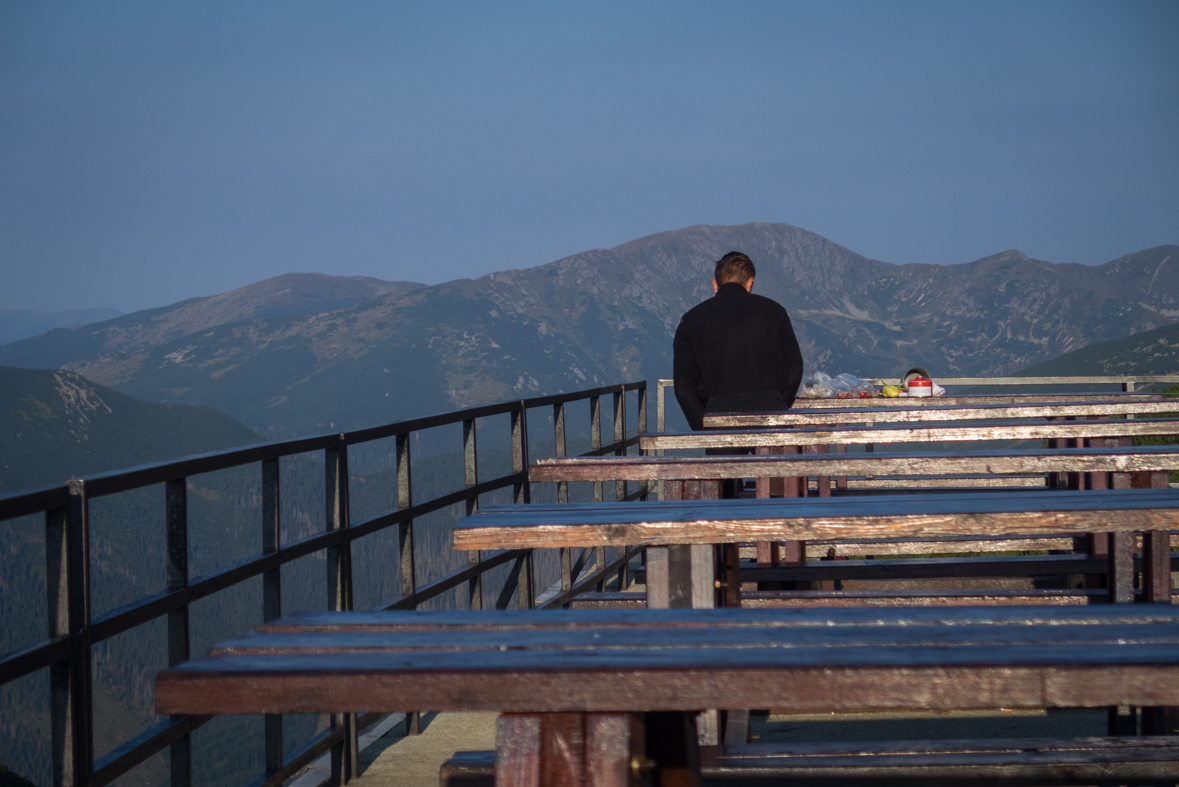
(920, 386)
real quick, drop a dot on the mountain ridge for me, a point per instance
(608, 314)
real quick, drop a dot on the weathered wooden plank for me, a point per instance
(985, 762)
(903, 433)
(651, 468)
(893, 415)
(945, 401)
(780, 599)
(1041, 761)
(446, 623)
(996, 657)
(916, 515)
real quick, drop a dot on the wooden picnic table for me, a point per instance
(854, 414)
(679, 535)
(588, 697)
(950, 463)
(750, 437)
(976, 399)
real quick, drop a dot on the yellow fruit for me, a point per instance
(890, 391)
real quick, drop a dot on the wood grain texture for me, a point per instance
(1041, 761)
(652, 468)
(917, 402)
(922, 433)
(804, 519)
(684, 660)
(855, 414)
(992, 762)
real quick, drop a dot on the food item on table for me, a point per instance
(866, 394)
(891, 391)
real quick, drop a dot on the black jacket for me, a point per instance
(735, 352)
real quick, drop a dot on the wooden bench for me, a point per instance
(1039, 761)
(586, 697)
(931, 414)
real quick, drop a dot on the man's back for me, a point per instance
(735, 351)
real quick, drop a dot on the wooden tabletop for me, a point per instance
(854, 414)
(650, 468)
(784, 519)
(906, 433)
(942, 401)
(650, 660)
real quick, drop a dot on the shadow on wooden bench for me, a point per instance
(1039, 761)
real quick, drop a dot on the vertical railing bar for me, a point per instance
(272, 594)
(595, 444)
(345, 762)
(71, 681)
(409, 586)
(525, 597)
(619, 486)
(559, 449)
(176, 527)
(59, 606)
(641, 428)
(470, 478)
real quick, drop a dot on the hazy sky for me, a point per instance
(155, 151)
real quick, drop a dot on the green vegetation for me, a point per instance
(56, 424)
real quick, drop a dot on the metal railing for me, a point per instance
(1128, 382)
(73, 631)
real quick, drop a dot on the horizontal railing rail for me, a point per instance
(73, 630)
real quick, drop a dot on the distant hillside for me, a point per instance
(23, 323)
(272, 299)
(604, 316)
(57, 424)
(1149, 352)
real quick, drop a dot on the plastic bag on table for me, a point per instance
(817, 385)
(848, 386)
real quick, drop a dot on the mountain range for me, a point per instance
(16, 324)
(306, 353)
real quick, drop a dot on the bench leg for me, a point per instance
(673, 749)
(566, 749)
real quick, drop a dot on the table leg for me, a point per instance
(563, 749)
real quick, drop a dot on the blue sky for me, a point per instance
(152, 151)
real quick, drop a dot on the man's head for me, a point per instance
(734, 267)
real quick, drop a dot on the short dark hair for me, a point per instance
(734, 267)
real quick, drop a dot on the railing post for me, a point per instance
(471, 478)
(271, 595)
(409, 585)
(176, 519)
(619, 436)
(596, 437)
(595, 445)
(521, 489)
(67, 553)
(525, 593)
(619, 486)
(559, 449)
(345, 754)
(642, 429)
